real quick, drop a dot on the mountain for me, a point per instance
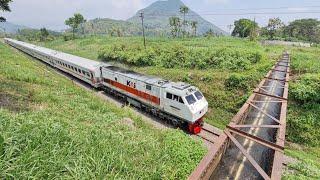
(157, 17)
(10, 27)
(156, 22)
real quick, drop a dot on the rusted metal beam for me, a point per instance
(276, 79)
(255, 126)
(265, 113)
(282, 65)
(279, 70)
(267, 101)
(256, 139)
(209, 162)
(250, 158)
(270, 95)
(278, 157)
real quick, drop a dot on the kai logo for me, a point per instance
(131, 84)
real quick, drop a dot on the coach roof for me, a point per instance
(76, 60)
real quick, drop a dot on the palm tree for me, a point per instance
(175, 24)
(184, 10)
(194, 25)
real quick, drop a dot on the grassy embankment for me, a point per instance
(225, 86)
(229, 72)
(51, 128)
(303, 122)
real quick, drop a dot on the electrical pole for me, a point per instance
(144, 37)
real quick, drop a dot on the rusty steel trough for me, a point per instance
(252, 144)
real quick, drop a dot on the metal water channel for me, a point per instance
(252, 144)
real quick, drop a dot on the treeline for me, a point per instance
(297, 30)
(36, 34)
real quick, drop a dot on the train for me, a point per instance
(180, 103)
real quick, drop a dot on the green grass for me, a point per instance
(52, 129)
(303, 120)
(222, 99)
(307, 165)
(227, 89)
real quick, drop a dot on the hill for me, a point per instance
(157, 17)
(110, 26)
(156, 21)
(10, 27)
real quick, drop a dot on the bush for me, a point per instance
(307, 89)
(303, 124)
(237, 81)
(178, 56)
(67, 37)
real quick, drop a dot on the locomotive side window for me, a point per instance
(116, 79)
(148, 87)
(180, 100)
(169, 96)
(175, 98)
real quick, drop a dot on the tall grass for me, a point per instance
(52, 129)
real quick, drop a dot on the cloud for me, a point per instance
(210, 2)
(298, 9)
(52, 14)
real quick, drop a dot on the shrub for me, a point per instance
(303, 124)
(178, 56)
(237, 81)
(307, 89)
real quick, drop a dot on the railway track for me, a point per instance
(252, 145)
(209, 134)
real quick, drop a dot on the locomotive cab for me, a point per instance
(188, 103)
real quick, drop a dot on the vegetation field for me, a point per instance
(226, 70)
(52, 129)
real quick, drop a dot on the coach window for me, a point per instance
(83, 72)
(116, 79)
(169, 96)
(148, 87)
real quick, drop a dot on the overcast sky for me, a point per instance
(52, 13)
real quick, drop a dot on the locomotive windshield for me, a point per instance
(190, 99)
(198, 95)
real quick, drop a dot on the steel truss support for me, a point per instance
(250, 158)
(264, 112)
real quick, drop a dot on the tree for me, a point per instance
(209, 33)
(184, 10)
(4, 6)
(74, 22)
(175, 24)
(243, 28)
(194, 25)
(43, 34)
(274, 25)
(303, 29)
